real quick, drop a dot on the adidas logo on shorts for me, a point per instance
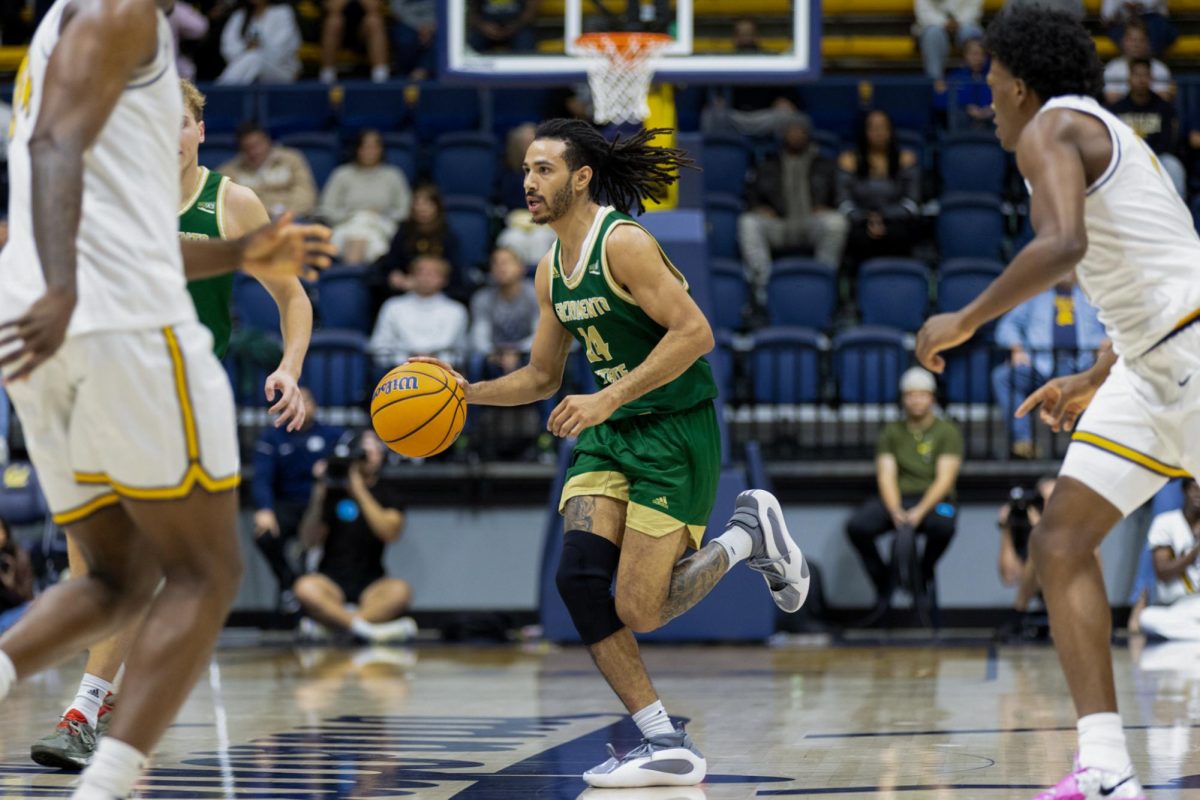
(660, 501)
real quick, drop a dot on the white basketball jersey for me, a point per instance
(130, 271)
(1142, 267)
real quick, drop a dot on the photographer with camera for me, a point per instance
(353, 516)
(1174, 542)
(1017, 519)
(16, 578)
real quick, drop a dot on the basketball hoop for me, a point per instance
(620, 67)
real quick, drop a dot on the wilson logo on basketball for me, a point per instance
(405, 384)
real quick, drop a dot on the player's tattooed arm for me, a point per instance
(692, 579)
(579, 513)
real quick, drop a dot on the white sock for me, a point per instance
(380, 73)
(90, 697)
(114, 770)
(8, 675)
(363, 628)
(1102, 743)
(653, 720)
(737, 544)
(328, 75)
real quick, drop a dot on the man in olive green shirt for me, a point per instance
(916, 461)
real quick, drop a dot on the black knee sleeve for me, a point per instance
(584, 580)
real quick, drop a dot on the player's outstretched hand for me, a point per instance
(1063, 400)
(940, 332)
(289, 409)
(285, 248)
(37, 334)
(578, 412)
(437, 362)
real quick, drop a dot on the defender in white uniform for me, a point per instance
(1101, 205)
(128, 416)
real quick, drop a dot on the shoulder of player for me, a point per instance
(243, 210)
(1053, 129)
(629, 238)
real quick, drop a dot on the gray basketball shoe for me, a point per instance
(669, 760)
(775, 554)
(71, 745)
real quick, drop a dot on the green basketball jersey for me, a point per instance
(203, 218)
(616, 334)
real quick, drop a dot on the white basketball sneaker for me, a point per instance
(1089, 783)
(775, 554)
(669, 760)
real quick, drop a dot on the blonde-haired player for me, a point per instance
(128, 416)
(212, 207)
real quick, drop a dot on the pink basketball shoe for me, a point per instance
(1088, 783)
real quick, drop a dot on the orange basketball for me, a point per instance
(418, 409)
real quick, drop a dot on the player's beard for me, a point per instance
(557, 207)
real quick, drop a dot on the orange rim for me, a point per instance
(626, 43)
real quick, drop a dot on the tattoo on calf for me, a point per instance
(578, 513)
(693, 578)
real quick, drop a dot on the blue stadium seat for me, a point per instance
(227, 107)
(465, 164)
(721, 359)
(372, 105)
(513, 107)
(802, 292)
(21, 498)
(829, 143)
(893, 292)
(969, 369)
(295, 108)
(915, 141)
(721, 212)
(217, 150)
(446, 109)
(253, 305)
(908, 101)
(961, 280)
(337, 368)
(400, 150)
(725, 158)
(689, 102)
(867, 363)
(344, 299)
(785, 365)
(973, 162)
(970, 226)
(730, 293)
(319, 149)
(832, 106)
(468, 220)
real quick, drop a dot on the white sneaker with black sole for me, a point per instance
(669, 760)
(776, 555)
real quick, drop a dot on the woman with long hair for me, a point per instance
(365, 200)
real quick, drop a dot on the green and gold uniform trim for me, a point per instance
(639, 517)
(1129, 454)
(194, 476)
(202, 216)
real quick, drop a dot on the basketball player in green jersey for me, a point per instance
(213, 207)
(646, 465)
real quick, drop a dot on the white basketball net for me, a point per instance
(619, 73)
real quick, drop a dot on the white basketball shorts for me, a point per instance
(141, 415)
(1143, 426)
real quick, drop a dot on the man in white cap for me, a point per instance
(916, 461)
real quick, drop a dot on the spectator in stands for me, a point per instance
(1055, 333)
(364, 201)
(414, 31)
(187, 23)
(282, 484)
(279, 175)
(1016, 521)
(16, 578)
(879, 187)
(942, 22)
(423, 322)
(1153, 119)
(1135, 44)
(1072, 7)
(967, 99)
(791, 197)
(353, 515)
(1152, 15)
(1174, 540)
(261, 44)
(425, 232)
(747, 109)
(503, 315)
(917, 461)
(525, 238)
(501, 25)
(512, 179)
(371, 30)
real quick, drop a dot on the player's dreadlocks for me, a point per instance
(627, 171)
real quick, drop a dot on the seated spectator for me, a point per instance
(1153, 119)
(524, 237)
(941, 23)
(1053, 334)
(186, 23)
(1152, 15)
(750, 110)
(16, 578)
(1016, 520)
(503, 316)
(424, 322)
(512, 179)
(371, 30)
(280, 176)
(1135, 44)
(424, 233)
(414, 38)
(967, 98)
(791, 197)
(879, 187)
(1174, 540)
(364, 201)
(501, 25)
(261, 44)
(282, 483)
(1072, 7)
(917, 461)
(352, 516)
